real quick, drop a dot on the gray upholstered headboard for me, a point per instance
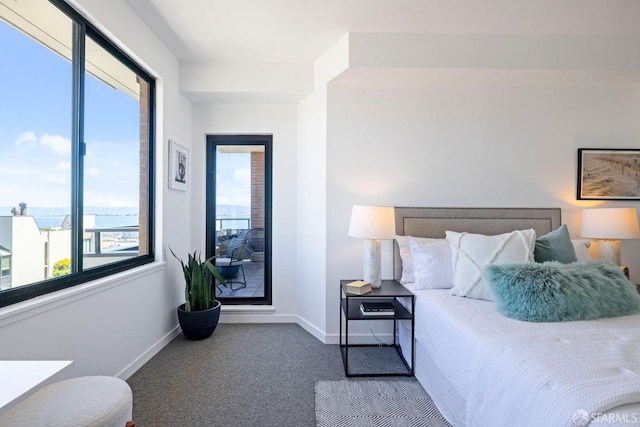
(433, 222)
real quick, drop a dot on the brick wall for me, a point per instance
(257, 189)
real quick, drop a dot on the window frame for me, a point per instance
(82, 29)
(212, 141)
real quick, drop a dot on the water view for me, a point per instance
(105, 217)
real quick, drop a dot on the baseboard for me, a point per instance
(354, 338)
(251, 317)
(313, 330)
(331, 339)
(240, 317)
(148, 354)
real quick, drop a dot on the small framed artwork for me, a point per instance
(608, 174)
(178, 166)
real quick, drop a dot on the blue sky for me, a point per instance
(233, 176)
(35, 130)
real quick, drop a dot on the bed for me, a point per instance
(484, 369)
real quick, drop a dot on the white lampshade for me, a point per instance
(373, 222)
(610, 223)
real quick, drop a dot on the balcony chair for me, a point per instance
(255, 243)
(230, 262)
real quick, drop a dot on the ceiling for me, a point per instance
(299, 31)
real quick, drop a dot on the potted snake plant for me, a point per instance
(199, 315)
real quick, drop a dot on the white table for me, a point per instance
(19, 378)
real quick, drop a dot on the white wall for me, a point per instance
(313, 207)
(278, 120)
(477, 140)
(311, 240)
(394, 137)
(112, 326)
(215, 82)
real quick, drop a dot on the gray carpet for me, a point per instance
(244, 375)
(375, 403)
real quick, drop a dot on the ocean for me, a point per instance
(229, 216)
(105, 217)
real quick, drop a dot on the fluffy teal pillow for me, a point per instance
(555, 246)
(556, 292)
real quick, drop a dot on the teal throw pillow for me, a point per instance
(555, 246)
(556, 292)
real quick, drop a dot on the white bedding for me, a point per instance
(550, 378)
(456, 333)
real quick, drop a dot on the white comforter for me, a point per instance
(513, 373)
(555, 379)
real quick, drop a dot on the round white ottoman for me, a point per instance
(83, 401)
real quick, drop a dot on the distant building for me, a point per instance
(28, 253)
(5, 268)
(25, 244)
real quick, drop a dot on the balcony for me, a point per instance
(103, 245)
(253, 258)
(112, 241)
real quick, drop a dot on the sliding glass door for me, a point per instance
(239, 215)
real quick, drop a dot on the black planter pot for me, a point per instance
(197, 325)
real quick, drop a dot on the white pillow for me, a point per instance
(470, 253)
(431, 263)
(405, 256)
(582, 249)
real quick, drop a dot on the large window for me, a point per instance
(239, 215)
(76, 141)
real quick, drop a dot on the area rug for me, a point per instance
(375, 403)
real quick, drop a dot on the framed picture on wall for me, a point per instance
(178, 166)
(608, 174)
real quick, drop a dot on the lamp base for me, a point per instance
(610, 250)
(372, 262)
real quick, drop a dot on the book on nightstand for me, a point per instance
(357, 287)
(377, 308)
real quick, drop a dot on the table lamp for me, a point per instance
(611, 225)
(372, 223)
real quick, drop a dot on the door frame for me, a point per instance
(212, 142)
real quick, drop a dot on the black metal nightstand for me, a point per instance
(390, 291)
